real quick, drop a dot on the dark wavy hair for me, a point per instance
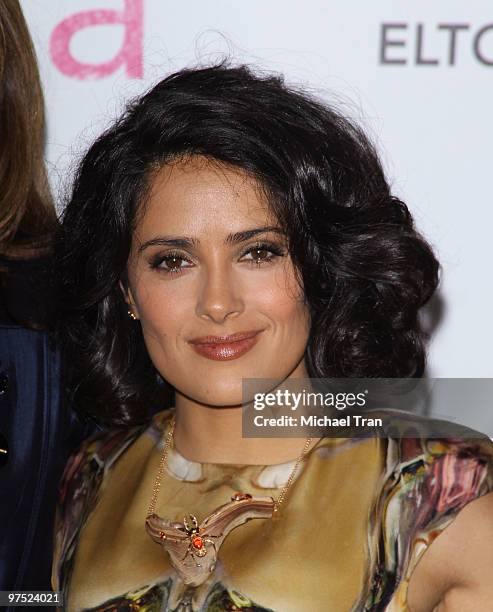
(364, 268)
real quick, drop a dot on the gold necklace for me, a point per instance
(188, 542)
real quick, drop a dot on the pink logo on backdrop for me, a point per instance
(129, 55)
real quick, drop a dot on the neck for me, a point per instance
(211, 434)
(214, 435)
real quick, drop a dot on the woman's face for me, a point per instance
(204, 263)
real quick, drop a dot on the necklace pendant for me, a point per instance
(197, 542)
(193, 548)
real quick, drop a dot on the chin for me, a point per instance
(218, 393)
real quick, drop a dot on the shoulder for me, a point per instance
(79, 489)
(448, 549)
(94, 456)
(428, 441)
(100, 451)
(434, 469)
(443, 475)
(86, 467)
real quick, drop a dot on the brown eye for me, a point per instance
(263, 254)
(170, 264)
(260, 254)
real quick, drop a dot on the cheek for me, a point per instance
(165, 317)
(286, 312)
(282, 305)
(162, 308)
(284, 299)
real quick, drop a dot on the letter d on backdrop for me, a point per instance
(130, 54)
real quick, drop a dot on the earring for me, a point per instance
(131, 315)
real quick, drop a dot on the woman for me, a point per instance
(228, 227)
(37, 432)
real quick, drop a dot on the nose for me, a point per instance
(219, 296)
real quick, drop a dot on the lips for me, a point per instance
(230, 338)
(223, 348)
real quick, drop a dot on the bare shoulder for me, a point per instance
(454, 573)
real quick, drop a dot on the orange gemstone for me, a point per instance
(197, 542)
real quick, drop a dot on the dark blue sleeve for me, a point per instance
(39, 432)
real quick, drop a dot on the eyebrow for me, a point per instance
(184, 242)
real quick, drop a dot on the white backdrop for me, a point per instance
(418, 75)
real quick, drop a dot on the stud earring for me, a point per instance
(131, 315)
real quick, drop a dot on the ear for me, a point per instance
(129, 299)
